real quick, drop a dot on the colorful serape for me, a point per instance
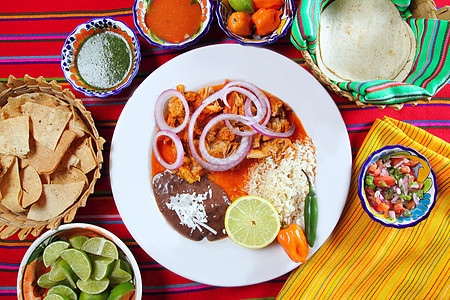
(363, 259)
(430, 71)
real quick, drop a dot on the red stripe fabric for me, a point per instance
(31, 37)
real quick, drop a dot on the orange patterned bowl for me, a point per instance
(100, 57)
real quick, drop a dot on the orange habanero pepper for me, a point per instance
(294, 243)
(266, 20)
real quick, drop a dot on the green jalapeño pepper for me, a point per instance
(311, 214)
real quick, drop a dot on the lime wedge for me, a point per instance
(101, 266)
(119, 291)
(78, 241)
(92, 286)
(63, 290)
(78, 261)
(56, 272)
(52, 251)
(252, 222)
(45, 282)
(55, 297)
(86, 296)
(242, 5)
(68, 272)
(120, 273)
(101, 246)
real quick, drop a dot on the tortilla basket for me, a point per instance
(420, 9)
(16, 222)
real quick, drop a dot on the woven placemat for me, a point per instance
(12, 222)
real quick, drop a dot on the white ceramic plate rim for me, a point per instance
(223, 263)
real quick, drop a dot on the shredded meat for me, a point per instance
(220, 140)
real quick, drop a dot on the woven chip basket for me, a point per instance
(12, 222)
(420, 9)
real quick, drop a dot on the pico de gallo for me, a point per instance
(391, 186)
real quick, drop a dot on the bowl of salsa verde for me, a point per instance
(172, 24)
(397, 186)
(100, 57)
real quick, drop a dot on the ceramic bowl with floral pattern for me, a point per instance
(224, 10)
(402, 191)
(140, 9)
(100, 57)
(32, 266)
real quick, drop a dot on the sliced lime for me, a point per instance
(92, 286)
(55, 297)
(56, 272)
(101, 266)
(101, 246)
(252, 222)
(78, 241)
(120, 273)
(101, 296)
(63, 290)
(70, 274)
(78, 261)
(45, 282)
(52, 251)
(120, 290)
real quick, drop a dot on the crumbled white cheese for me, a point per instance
(190, 210)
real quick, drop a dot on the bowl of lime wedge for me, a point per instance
(79, 261)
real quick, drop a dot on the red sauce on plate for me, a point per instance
(174, 20)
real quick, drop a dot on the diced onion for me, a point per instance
(178, 146)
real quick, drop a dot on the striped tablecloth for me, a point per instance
(31, 37)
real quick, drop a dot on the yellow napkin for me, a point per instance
(362, 259)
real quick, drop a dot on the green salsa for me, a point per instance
(104, 60)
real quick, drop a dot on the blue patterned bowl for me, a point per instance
(76, 40)
(422, 171)
(224, 10)
(140, 8)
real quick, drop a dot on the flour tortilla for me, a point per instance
(364, 40)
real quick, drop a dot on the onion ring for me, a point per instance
(159, 110)
(178, 146)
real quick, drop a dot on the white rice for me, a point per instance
(283, 183)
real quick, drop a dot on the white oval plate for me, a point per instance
(223, 263)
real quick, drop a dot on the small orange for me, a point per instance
(275, 4)
(240, 23)
(266, 20)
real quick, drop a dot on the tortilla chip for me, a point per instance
(77, 125)
(12, 108)
(85, 152)
(11, 189)
(44, 160)
(69, 160)
(68, 175)
(14, 136)
(47, 123)
(31, 186)
(55, 199)
(5, 162)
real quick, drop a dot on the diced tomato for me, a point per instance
(411, 204)
(412, 163)
(385, 180)
(377, 201)
(373, 169)
(398, 208)
(405, 170)
(396, 160)
(369, 191)
(383, 207)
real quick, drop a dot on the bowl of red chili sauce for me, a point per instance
(172, 24)
(397, 186)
